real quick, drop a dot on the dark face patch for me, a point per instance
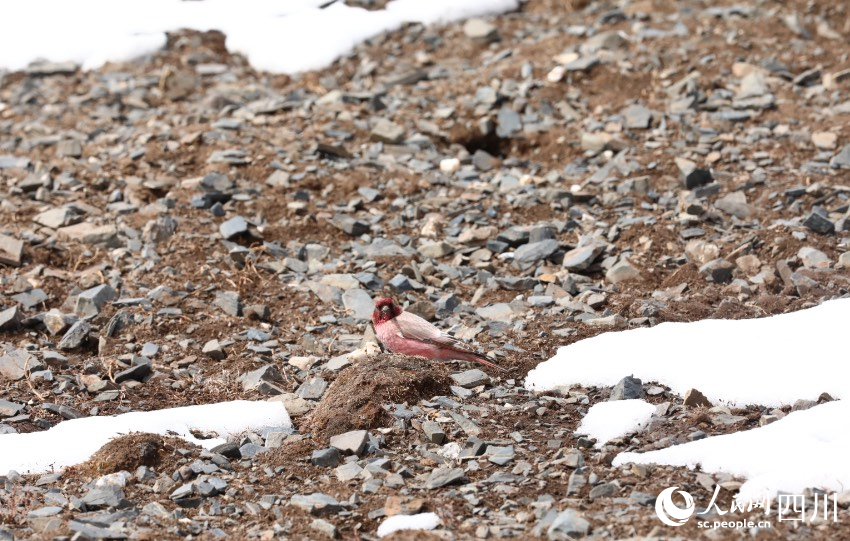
(385, 310)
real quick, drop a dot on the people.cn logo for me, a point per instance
(671, 514)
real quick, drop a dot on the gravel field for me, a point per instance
(184, 229)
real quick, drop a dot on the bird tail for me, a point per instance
(485, 359)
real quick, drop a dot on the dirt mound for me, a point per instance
(355, 399)
(134, 450)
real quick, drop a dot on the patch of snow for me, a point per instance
(805, 449)
(422, 521)
(771, 361)
(608, 420)
(288, 36)
(74, 441)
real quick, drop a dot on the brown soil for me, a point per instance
(131, 451)
(356, 398)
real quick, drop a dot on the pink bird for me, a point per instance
(403, 332)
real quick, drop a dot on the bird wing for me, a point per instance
(414, 327)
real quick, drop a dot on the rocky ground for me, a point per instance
(184, 229)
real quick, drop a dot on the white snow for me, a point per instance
(608, 420)
(281, 36)
(770, 361)
(805, 449)
(422, 521)
(74, 441)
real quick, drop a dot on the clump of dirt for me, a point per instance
(354, 401)
(133, 450)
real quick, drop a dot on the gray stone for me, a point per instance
(501, 311)
(326, 458)
(349, 225)
(316, 503)
(229, 302)
(358, 303)
(350, 443)
(139, 370)
(70, 148)
(45, 67)
(465, 423)
(693, 177)
(48, 511)
(370, 280)
(819, 222)
(483, 160)
(500, 455)
(250, 450)
(56, 218)
(232, 156)
(340, 281)
(508, 122)
(104, 497)
(262, 380)
(480, 30)
(516, 283)
(842, 159)
(9, 409)
(514, 236)
(84, 530)
(10, 319)
(186, 490)
(583, 63)
(325, 528)
(159, 230)
(569, 524)
(30, 299)
(401, 283)
(623, 271)
(87, 233)
(535, 251)
(627, 388)
(471, 378)
(14, 162)
(435, 250)
(213, 350)
(434, 432)
(348, 471)
(386, 131)
(76, 336)
(582, 257)
(735, 203)
(717, 270)
(813, 258)
(445, 305)
(752, 85)
(312, 389)
(444, 476)
(604, 490)
(637, 117)
(233, 228)
(573, 458)
(91, 301)
(576, 482)
(11, 251)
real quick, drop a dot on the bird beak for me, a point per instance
(385, 309)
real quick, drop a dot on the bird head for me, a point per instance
(385, 310)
